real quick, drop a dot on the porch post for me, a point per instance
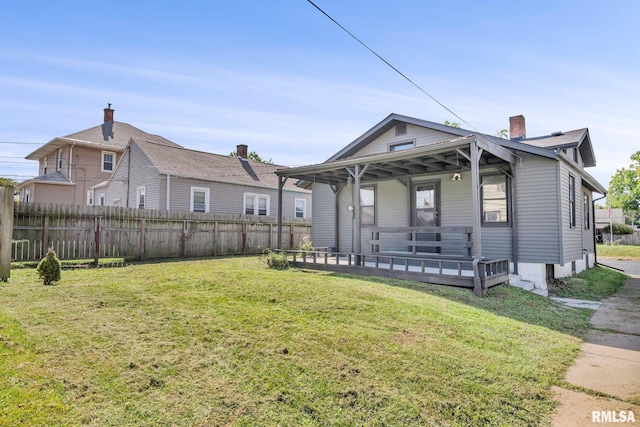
(477, 234)
(514, 217)
(356, 209)
(280, 185)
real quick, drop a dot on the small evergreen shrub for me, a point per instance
(618, 229)
(49, 268)
(275, 260)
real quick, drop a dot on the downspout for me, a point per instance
(593, 220)
(70, 161)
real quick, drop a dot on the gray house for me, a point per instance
(417, 199)
(152, 175)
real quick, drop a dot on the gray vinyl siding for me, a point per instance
(421, 136)
(537, 210)
(324, 216)
(125, 181)
(345, 220)
(392, 210)
(228, 198)
(587, 235)
(571, 236)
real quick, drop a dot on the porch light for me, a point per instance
(456, 177)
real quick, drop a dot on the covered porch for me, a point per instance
(390, 219)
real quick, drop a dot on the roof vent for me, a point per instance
(401, 129)
(559, 133)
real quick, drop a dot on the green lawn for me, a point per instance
(229, 342)
(622, 252)
(593, 284)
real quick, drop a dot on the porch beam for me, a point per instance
(443, 158)
(495, 149)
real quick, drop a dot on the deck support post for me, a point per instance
(514, 218)
(477, 225)
(281, 182)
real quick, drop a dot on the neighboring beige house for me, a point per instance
(152, 175)
(604, 217)
(71, 165)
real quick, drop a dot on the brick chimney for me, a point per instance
(517, 128)
(108, 113)
(241, 151)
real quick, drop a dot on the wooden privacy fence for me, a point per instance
(81, 232)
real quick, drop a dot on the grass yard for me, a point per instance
(593, 284)
(230, 342)
(621, 252)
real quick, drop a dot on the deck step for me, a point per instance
(514, 279)
(541, 292)
(523, 284)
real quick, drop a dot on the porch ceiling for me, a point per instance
(444, 157)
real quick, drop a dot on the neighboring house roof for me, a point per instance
(560, 140)
(179, 161)
(52, 178)
(109, 136)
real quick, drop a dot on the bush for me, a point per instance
(619, 229)
(306, 244)
(49, 268)
(275, 260)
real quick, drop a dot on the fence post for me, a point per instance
(6, 231)
(96, 252)
(45, 235)
(143, 224)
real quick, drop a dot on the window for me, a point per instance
(44, 166)
(300, 208)
(90, 197)
(494, 194)
(367, 205)
(575, 155)
(587, 217)
(59, 159)
(256, 204)
(27, 195)
(401, 146)
(572, 201)
(103, 199)
(401, 129)
(140, 197)
(108, 160)
(199, 199)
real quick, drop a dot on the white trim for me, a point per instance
(90, 195)
(256, 198)
(45, 164)
(59, 160)
(141, 191)
(295, 208)
(102, 199)
(102, 161)
(206, 198)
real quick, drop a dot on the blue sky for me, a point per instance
(282, 78)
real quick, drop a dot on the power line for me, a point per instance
(392, 67)
(20, 143)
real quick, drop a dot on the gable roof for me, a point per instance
(571, 139)
(110, 136)
(536, 146)
(180, 161)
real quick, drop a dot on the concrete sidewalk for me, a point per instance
(609, 363)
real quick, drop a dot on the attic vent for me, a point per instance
(556, 133)
(401, 129)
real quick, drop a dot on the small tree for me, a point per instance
(252, 156)
(49, 268)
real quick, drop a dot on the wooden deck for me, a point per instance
(442, 270)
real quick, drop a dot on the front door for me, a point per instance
(426, 212)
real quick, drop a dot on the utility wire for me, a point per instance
(392, 67)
